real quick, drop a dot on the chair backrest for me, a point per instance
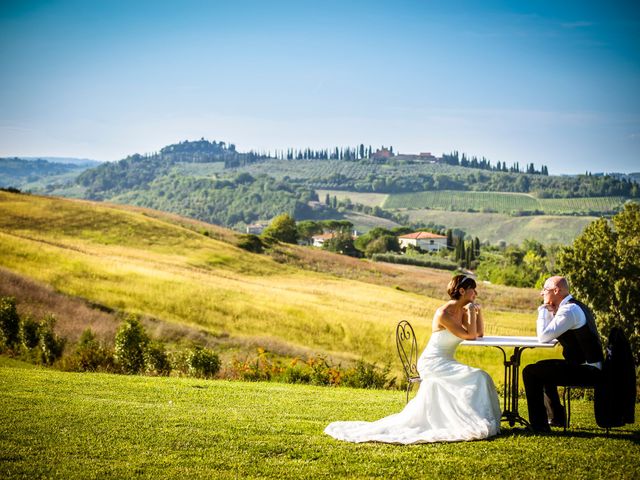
(407, 348)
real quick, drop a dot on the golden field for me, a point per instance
(189, 278)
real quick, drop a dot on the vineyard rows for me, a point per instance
(502, 202)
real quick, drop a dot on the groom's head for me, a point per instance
(554, 290)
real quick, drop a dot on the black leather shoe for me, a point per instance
(559, 419)
(541, 429)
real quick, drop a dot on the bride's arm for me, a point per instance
(467, 330)
(479, 321)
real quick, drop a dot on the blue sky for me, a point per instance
(548, 82)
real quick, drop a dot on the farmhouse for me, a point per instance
(318, 240)
(428, 241)
(257, 228)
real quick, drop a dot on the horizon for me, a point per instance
(240, 150)
(545, 83)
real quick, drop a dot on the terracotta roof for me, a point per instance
(420, 235)
(324, 236)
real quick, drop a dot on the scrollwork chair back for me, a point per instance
(407, 346)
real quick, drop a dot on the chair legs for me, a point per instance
(566, 400)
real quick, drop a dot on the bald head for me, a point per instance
(558, 282)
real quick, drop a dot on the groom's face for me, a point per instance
(550, 293)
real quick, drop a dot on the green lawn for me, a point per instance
(63, 425)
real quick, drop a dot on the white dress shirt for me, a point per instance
(568, 317)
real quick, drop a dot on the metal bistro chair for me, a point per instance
(408, 352)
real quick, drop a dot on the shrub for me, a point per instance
(131, 343)
(251, 243)
(156, 360)
(296, 373)
(366, 375)
(51, 345)
(282, 228)
(9, 324)
(29, 337)
(422, 261)
(90, 355)
(203, 362)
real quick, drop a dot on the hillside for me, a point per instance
(189, 278)
(216, 183)
(17, 172)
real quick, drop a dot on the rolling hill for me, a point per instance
(214, 182)
(190, 280)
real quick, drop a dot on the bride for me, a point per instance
(454, 402)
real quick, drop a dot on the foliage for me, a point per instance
(282, 229)
(426, 260)
(50, 345)
(603, 268)
(15, 172)
(90, 355)
(214, 182)
(9, 323)
(341, 242)
(251, 243)
(156, 360)
(130, 345)
(29, 337)
(370, 242)
(367, 375)
(519, 266)
(203, 362)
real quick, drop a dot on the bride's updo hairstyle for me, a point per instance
(458, 282)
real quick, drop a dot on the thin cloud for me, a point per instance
(578, 24)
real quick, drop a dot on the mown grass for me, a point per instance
(63, 425)
(129, 260)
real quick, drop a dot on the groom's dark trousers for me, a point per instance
(541, 380)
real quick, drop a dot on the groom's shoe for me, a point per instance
(559, 419)
(541, 428)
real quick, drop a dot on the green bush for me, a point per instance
(366, 375)
(130, 345)
(9, 324)
(251, 243)
(29, 337)
(296, 373)
(423, 261)
(90, 355)
(156, 360)
(203, 363)
(51, 345)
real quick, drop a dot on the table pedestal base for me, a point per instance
(511, 391)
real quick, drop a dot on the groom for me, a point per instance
(564, 318)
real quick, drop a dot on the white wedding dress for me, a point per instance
(454, 402)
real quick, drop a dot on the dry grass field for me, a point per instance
(189, 280)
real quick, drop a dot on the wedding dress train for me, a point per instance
(454, 402)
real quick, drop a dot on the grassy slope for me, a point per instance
(145, 262)
(62, 425)
(493, 227)
(490, 227)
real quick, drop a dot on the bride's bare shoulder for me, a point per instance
(443, 311)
